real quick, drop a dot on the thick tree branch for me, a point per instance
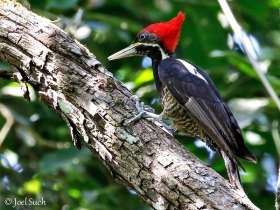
(94, 104)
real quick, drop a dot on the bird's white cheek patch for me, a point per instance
(192, 69)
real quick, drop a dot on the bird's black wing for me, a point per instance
(195, 91)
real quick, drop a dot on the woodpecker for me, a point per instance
(189, 97)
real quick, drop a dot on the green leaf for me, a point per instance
(145, 76)
(275, 83)
(61, 4)
(116, 21)
(61, 159)
(74, 193)
(32, 186)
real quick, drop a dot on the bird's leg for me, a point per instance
(146, 112)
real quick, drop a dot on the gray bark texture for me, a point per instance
(141, 156)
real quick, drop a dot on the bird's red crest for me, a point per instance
(168, 32)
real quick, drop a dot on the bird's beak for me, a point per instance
(126, 52)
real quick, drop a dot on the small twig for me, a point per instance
(276, 138)
(6, 113)
(238, 31)
(6, 74)
(18, 77)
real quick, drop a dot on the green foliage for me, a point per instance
(37, 156)
(61, 4)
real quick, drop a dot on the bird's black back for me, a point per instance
(208, 105)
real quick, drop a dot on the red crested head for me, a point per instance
(151, 39)
(167, 32)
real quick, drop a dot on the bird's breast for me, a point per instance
(173, 110)
(182, 121)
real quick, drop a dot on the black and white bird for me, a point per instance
(189, 97)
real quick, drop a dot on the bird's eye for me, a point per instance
(141, 37)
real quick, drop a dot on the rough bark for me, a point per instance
(141, 156)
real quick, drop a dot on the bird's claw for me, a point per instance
(147, 113)
(136, 118)
(141, 107)
(144, 111)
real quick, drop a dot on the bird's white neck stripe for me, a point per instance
(163, 54)
(192, 69)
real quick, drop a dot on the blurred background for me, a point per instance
(38, 159)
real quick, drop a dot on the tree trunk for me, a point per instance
(141, 156)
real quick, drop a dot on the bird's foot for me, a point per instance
(146, 112)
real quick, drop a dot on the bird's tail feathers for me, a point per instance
(248, 155)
